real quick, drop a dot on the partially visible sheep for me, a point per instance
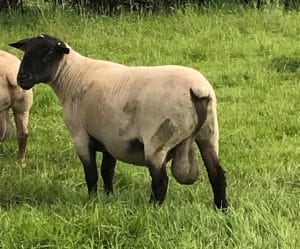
(139, 115)
(14, 97)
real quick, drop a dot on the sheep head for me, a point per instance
(40, 62)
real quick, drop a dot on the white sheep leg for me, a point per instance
(21, 119)
(5, 126)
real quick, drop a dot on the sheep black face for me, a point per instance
(41, 59)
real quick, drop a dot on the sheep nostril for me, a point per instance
(25, 77)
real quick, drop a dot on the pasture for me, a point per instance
(251, 58)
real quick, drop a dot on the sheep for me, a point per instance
(14, 97)
(139, 115)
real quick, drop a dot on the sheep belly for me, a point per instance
(133, 153)
(126, 150)
(132, 132)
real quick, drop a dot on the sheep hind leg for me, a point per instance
(5, 126)
(159, 183)
(156, 160)
(107, 172)
(216, 174)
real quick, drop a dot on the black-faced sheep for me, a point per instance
(138, 115)
(14, 97)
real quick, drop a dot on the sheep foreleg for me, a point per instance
(107, 171)
(21, 119)
(87, 155)
(5, 126)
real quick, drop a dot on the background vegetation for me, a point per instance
(252, 58)
(116, 6)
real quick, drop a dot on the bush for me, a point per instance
(110, 7)
(9, 4)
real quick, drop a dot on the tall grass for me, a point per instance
(253, 61)
(144, 6)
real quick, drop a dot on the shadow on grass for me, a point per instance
(53, 190)
(14, 195)
(8, 150)
(285, 64)
(196, 56)
(47, 186)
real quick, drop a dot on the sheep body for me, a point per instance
(139, 115)
(14, 97)
(116, 104)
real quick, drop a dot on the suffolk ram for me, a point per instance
(138, 115)
(14, 97)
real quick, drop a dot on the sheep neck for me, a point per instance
(67, 81)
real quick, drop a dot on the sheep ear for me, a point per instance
(22, 44)
(61, 48)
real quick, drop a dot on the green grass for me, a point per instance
(253, 61)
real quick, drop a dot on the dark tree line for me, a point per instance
(9, 4)
(112, 6)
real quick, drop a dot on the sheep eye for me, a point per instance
(50, 52)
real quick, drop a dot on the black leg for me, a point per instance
(215, 173)
(159, 183)
(90, 170)
(107, 171)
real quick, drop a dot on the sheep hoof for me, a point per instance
(108, 190)
(21, 162)
(93, 193)
(221, 205)
(154, 201)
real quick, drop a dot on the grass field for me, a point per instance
(253, 61)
